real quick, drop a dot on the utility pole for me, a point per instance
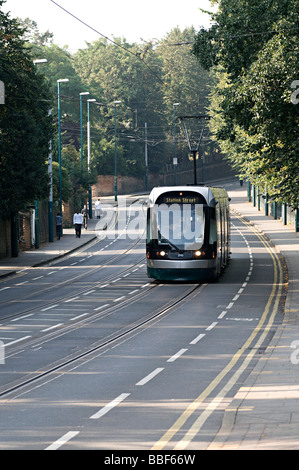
(146, 159)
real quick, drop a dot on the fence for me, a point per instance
(288, 215)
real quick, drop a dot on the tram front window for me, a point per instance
(182, 226)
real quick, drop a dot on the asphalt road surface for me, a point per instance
(98, 356)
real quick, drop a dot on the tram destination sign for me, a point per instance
(181, 198)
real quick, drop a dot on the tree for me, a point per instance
(253, 48)
(134, 77)
(186, 83)
(25, 128)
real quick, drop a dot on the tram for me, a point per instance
(188, 233)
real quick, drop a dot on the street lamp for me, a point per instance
(115, 153)
(89, 153)
(63, 80)
(175, 162)
(36, 217)
(81, 127)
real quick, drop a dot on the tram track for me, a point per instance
(65, 298)
(81, 276)
(99, 346)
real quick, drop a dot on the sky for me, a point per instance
(131, 19)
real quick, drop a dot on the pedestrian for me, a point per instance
(58, 226)
(78, 222)
(85, 217)
(98, 206)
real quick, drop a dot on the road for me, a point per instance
(98, 356)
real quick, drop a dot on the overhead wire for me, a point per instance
(136, 55)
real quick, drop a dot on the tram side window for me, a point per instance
(213, 230)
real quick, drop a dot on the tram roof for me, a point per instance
(209, 193)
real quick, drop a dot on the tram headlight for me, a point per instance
(198, 254)
(163, 254)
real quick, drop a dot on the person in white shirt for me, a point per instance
(78, 222)
(98, 207)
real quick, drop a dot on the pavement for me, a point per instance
(59, 248)
(264, 414)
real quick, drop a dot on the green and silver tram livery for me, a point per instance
(188, 233)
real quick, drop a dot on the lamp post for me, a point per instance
(50, 203)
(63, 80)
(146, 157)
(89, 154)
(115, 152)
(175, 162)
(86, 93)
(36, 218)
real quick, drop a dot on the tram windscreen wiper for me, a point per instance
(165, 240)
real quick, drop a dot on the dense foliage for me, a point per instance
(253, 51)
(147, 77)
(25, 128)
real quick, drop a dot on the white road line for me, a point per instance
(52, 327)
(79, 316)
(4, 288)
(63, 440)
(120, 298)
(71, 300)
(133, 292)
(49, 308)
(17, 341)
(149, 377)
(199, 337)
(90, 292)
(110, 406)
(222, 314)
(36, 278)
(177, 355)
(236, 298)
(100, 308)
(212, 326)
(22, 318)
(230, 305)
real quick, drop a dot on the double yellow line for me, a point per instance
(263, 327)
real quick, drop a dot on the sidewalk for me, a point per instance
(52, 251)
(48, 251)
(264, 415)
